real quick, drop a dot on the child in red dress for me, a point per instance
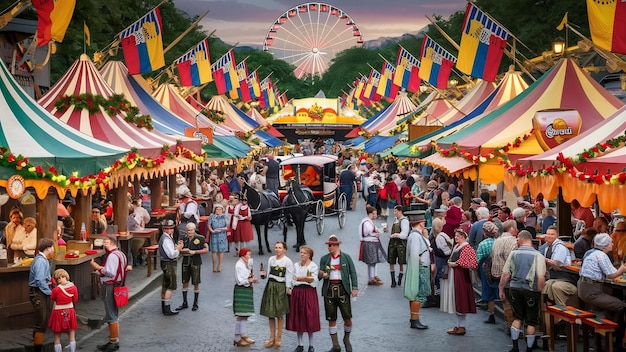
(63, 317)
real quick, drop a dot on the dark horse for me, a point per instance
(298, 203)
(265, 207)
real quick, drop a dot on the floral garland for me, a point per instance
(564, 164)
(498, 152)
(214, 115)
(130, 161)
(114, 105)
(248, 137)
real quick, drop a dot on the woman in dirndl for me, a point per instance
(371, 252)
(218, 243)
(63, 316)
(457, 293)
(242, 225)
(243, 297)
(304, 310)
(275, 302)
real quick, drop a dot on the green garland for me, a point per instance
(114, 105)
(214, 115)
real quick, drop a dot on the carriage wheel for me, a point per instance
(342, 205)
(319, 217)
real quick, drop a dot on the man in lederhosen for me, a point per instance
(193, 245)
(340, 281)
(168, 252)
(396, 250)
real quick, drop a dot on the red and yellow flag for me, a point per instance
(607, 23)
(53, 17)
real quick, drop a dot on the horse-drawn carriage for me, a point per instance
(318, 173)
(308, 192)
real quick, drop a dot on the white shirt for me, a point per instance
(310, 270)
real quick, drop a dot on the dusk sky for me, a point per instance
(248, 21)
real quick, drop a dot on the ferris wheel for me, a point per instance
(310, 35)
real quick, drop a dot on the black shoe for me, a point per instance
(299, 349)
(311, 349)
(416, 324)
(194, 308)
(491, 320)
(109, 346)
(182, 306)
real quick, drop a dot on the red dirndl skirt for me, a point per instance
(304, 310)
(63, 320)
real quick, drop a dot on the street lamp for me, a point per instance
(558, 46)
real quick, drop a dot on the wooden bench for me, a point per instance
(151, 257)
(600, 327)
(573, 317)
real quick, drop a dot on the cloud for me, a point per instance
(247, 21)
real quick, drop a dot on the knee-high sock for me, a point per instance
(300, 338)
(38, 338)
(114, 332)
(515, 333)
(371, 271)
(415, 310)
(460, 319)
(243, 327)
(530, 340)
(310, 339)
(58, 348)
(237, 330)
(73, 346)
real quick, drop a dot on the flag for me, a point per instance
(254, 86)
(407, 71)
(267, 98)
(372, 86)
(224, 73)
(386, 87)
(607, 23)
(243, 92)
(436, 63)
(482, 43)
(142, 43)
(53, 17)
(194, 67)
(87, 34)
(563, 23)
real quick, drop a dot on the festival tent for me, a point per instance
(83, 78)
(28, 129)
(467, 104)
(603, 156)
(168, 96)
(237, 120)
(507, 129)
(386, 120)
(118, 78)
(437, 106)
(256, 116)
(379, 143)
(511, 85)
(234, 119)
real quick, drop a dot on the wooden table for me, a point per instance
(80, 272)
(149, 233)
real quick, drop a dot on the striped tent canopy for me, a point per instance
(28, 129)
(235, 119)
(386, 119)
(509, 87)
(83, 78)
(167, 94)
(469, 103)
(609, 196)
(438, 105)
(118, 78)
(256, 116)
(565, 86)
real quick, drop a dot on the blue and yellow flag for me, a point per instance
(482, 43)
(194, 67)
(142, 44)
(436, 63)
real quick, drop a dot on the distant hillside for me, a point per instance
(383, 41)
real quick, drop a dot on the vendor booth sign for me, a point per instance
(554, 126)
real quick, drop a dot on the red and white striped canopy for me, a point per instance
(82, 77)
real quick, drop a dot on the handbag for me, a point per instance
(120, 293)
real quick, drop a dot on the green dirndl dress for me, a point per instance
(243, 301)
(275, 303)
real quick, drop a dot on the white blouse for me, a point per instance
(310, 270)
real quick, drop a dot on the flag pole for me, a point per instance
(183, 34)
